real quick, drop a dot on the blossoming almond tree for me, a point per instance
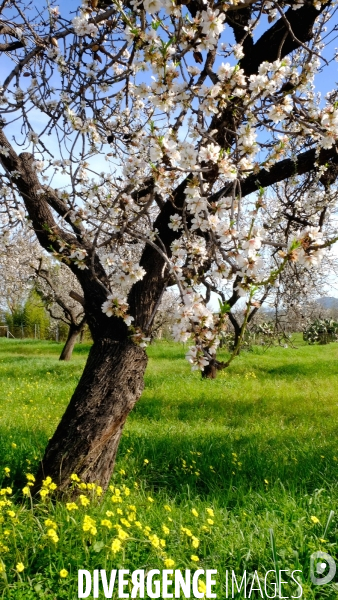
(25, 266)
(58, 288)
(139, 138)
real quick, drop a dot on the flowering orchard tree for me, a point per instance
(25, 266)
(15, 271)
(59, 290)
(139, 139)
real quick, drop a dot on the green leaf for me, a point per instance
(224, 307)
(97, 547)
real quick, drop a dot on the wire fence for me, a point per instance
(33, 332)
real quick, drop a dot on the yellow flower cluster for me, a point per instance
(86, 486)
(118, 528)
(47, 487)
(89, 524)
(51, 531)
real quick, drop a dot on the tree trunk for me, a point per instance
(68, 348)
(87, 438)
(210, 370)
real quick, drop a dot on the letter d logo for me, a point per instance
(318, 564)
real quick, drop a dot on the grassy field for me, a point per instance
(205, 471)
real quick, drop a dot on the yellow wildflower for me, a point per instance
(122, 534)
(169, 562)
(125, 522)
(315, 520)
(202, 588)
(63, 573)
(43, 493)
(116, 545)
(155, 541)
(210, 512)
(195, 542)
(71, 506)
(165, 530)
(194, 558)
(116, 499)
(194, 512)
(53, 535)
(89, 525)
(75, 477)
(84, 500)
(166, 507)
(106, 523)
(50, 523)
(20, 567)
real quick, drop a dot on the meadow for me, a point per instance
(237, 473)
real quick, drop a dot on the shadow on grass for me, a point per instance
(225, 465)
(229, 464)
(295, 370)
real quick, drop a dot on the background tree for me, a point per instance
(33, 283)
(61, 294)
(204, 108)
(15, 285)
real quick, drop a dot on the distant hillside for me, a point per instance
(328, 302)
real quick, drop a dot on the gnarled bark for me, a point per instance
(88, 435)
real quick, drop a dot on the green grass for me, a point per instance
(258, 446)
